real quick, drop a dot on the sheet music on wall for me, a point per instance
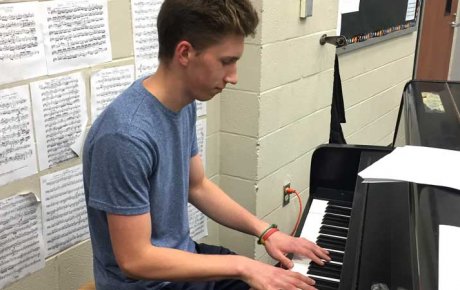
(198, 223)
(201, 108)
(60, 117)
(348, 6)
(107, 84)
(145, 35)
(201, 139)
(17, 144)
(76, 34)
(21, 241)
(22, 54)
(411, 10)
(65, 222)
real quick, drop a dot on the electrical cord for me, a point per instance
(291, 191)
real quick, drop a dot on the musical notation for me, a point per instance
(22, 53)
(60, 109)
(145, 35)
(21, 250)
(107, 84)
(64, 209)
(17, 150)
(77, 34)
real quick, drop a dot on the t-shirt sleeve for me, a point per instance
(119, 178)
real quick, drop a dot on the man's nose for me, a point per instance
(232, 75)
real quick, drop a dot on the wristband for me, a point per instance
(262, 238)
(268, 234)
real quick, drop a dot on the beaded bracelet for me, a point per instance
(265, 234)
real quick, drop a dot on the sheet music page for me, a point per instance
(348, 6)
(449, 255)
(424, 165)
(65, 222)
(60, 117)
(411, 9)
(76, 35)
(201, 108)
(201, 139)
(17, 145)
(22, 54)
(21, 242)
(198, 223)
(145, 35)
(107, 84)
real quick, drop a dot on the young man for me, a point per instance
(141, 167)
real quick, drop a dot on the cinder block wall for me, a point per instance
(373, 80)
(280, 110)
(261, 132)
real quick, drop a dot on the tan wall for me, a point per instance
(272, 122)
(373, 79)
(261, 132)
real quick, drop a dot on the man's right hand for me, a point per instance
(262, 276)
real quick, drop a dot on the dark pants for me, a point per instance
(228, 284)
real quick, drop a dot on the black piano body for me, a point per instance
(392, 240)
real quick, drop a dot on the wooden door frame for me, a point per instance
(419, 35)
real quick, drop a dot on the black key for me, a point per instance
(338, 210)
(325, 271)
(333, 231)
(331, 243)
(323, 284)
(329, 219)
(337, 217)
(327, 266)
(341, 203)
(336, 257)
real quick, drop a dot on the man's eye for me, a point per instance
(228, 61)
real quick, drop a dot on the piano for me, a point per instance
(383, 236)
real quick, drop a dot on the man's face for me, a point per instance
(210, 70)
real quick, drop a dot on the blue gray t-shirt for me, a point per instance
(136, 160)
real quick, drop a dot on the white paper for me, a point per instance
(411, 9)
(17, 145)
(76, 35)
(60, 117)
(65, 221)
(201, 108)
(418, 164)
(347, 6)
(145, 35)
(107, 84)
(22, 54)
(449, 255)
(21, 242)
(198, 223)
(201, 139)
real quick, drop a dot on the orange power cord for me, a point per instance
(291, 191)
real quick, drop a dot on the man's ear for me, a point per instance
(184, 50)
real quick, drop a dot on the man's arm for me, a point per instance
(216, 204)
(138, 258)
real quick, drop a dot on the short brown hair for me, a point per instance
(202, 22)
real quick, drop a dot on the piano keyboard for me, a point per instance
(327, 225)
